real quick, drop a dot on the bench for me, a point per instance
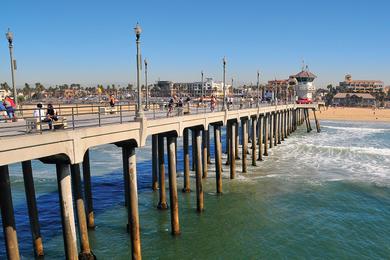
(108, 110)
(33, 124)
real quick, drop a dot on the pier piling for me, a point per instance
(244, 133)
(67, 213)
(171, 147)
(186, 157)
(88, 191)
(261, 135)
(253, 142)
(162, 204)
(316, 121)
(155, 162)
(132, 208)
(218, 157)
(7, 215)
(232, 153)
(198, 171)
(204, 153)
(80, 213)
(32, 208)
(266, 134)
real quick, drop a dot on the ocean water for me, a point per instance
(321, 195)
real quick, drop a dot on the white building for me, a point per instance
(305, 87)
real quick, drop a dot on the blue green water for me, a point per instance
(321, 195)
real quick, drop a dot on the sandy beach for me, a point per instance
(353, 114)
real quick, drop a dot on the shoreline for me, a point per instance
(353, 114)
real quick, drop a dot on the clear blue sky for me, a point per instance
(92, 42)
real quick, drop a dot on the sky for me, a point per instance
(93, 42)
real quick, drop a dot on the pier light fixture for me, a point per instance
(138, 30)
(10, 38)
(224, 83)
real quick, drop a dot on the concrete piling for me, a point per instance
(171, 147)
(232, 154)
(271, 130)
(316, 121)
(32, 208)
(218, 157)
(155, 161)
(88, 191)
(162, 204)
(208, 147)
(204, 153)
(193, 152)
(228, 141)
(244, 133)
(125, 176)
(186, 158)
(67, 214)
(7, 215)
(266, 134)
(276, 128)
(80, 213)
(198, 171)
(254, 138)
(279, 128)
(260, 141)
(132, 209)
(236, 140)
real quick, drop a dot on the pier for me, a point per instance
(256, 129)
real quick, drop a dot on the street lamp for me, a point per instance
(201, 73)
(10, 37)
(258, 86)
(224, 84)
(146, 85)
(138, 31)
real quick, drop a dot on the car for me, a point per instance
(304, 101)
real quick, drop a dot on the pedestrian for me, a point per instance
(51, 115)
(170, 106)
(9, 107)
(39, 112)
(112, 100)
(213, 103)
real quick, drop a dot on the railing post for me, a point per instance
(120, 112)
(73, 117)
(99, 116)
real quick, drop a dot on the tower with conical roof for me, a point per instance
(305, 87)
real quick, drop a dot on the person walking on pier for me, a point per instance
(213, 103)
(171, 105)
(112, 100)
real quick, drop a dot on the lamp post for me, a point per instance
(138, 31)
(224, 84)
(10, 37)
(258, 88)
(202, 91)
(146, 85)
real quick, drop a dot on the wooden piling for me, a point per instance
(175, 227)
(218, 157)
(32, 208)
(155, 162)
(88, 191)
(162, 204)
(7, 215)
(244, 138)
(80, 213)
(198, 171)
(132, 209)
(208, 146)
(276, 128)
(228, 140)
(204, 153)
(254, 138)
(67, 213)
(279, 128)
(186, 158)
(236, 140)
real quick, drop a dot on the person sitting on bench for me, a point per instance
(51, 115)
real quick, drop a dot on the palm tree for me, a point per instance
(27, 90)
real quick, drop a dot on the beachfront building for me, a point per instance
(354, 99)
(304, 87)
(278, 88)
(361, 86)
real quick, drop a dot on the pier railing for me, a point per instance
(82, 115)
